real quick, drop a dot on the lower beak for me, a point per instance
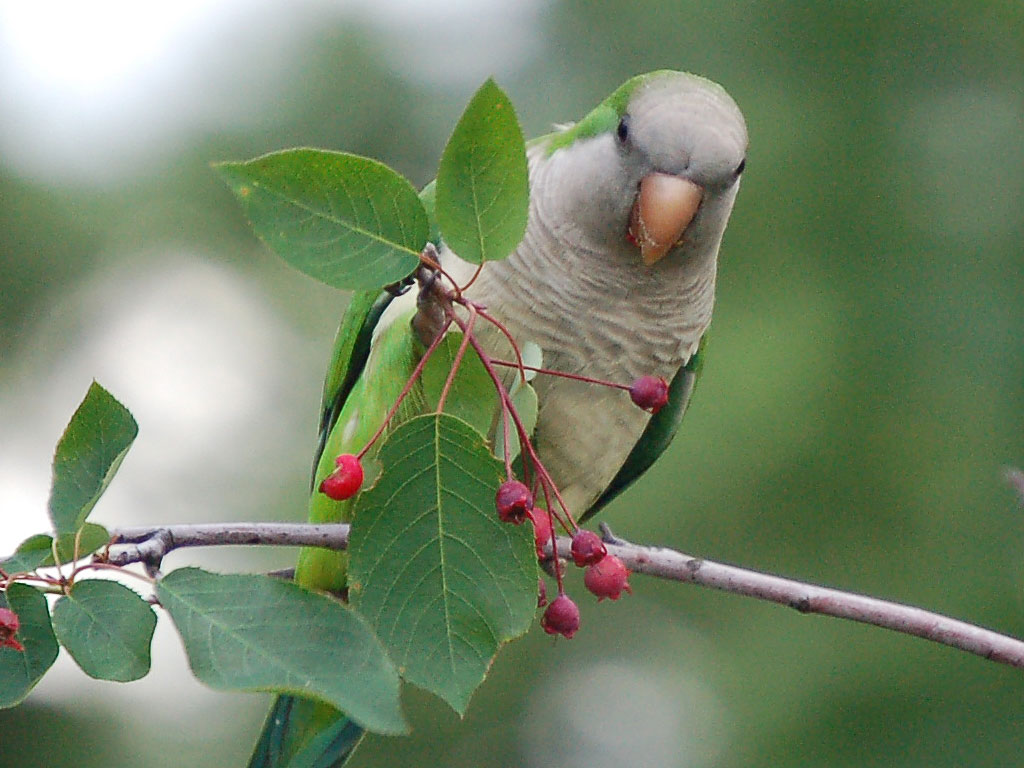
(665, 205)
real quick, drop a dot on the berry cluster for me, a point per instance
(606, 575)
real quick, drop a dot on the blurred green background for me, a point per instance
(863, 389)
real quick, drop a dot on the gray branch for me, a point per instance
(150, 545)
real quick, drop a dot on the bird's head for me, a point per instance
(653, 170)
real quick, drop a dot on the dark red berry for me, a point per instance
(607, 578)
(8, 629)
(344, 482)
(587, 548)
(514, 501)
(562, 617)
(650, 393)
(542, 593)
(542, 528)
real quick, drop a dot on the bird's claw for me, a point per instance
(608, 537)
(433, 303)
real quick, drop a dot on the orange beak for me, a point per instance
(664, 208)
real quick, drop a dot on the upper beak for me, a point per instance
(664, 208)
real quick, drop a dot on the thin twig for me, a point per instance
(142, 544)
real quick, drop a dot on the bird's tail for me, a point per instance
(300, 733)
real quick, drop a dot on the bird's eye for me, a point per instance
(740, 167)
(623, 130)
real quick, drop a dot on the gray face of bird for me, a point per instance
(662, 182)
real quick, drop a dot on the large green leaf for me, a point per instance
(37, 551)
(482, 188)
(345, 220)
(21, 670)
(258, 633)
(442, 580)
(89, 452)
(107, 628)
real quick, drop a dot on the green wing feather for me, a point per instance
(348, 358)
(300, 733)
(658, 434)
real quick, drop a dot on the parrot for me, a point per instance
(614, 279)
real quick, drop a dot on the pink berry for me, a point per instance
(8, 629)
(344, 482)
(542, 528)
(562, 617)
(607, 578)
(650, 393)
(587, 548)
(514, 501)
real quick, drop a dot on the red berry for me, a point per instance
(607, 578)
(8, 629)
(562, 617)
(650, 393)
(542, 593)
(587, 548)
(542, 528)
(344, 482)
(514, 501)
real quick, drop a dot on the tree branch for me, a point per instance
(150, 545)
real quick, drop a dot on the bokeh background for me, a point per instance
(863, 390)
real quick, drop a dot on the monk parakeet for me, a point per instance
(614, 280)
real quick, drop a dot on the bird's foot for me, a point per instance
(434, 301)
(608, 537)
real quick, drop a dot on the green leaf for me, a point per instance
(533, 356)
(524, 398)
(483, 191)
(37, 551)
(107, 628)
(257, 633)
(88, 455)
(441, 579)
(345, 220)
(32, 553)
(21, 670)
(472, 396)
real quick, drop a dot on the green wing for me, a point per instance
(351, 350)
(658, 434)
(352, 344)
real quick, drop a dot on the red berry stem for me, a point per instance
(457, 362)
(509, 409)
(508, 335)
(563, 374)
(405, 390)
(479, 269)
(507, 455)
(506, 400)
